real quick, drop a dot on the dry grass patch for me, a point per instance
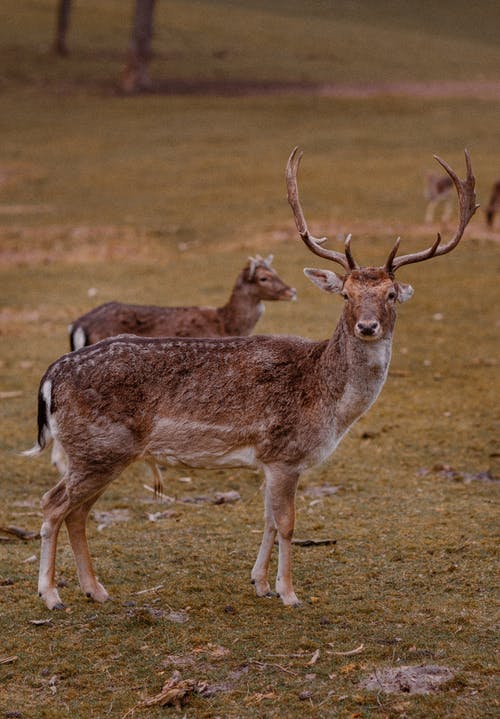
(404, 580)
(160, 200)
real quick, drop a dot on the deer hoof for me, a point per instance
(99, 594)
(289, 600)
(52, 600)
(262, 589)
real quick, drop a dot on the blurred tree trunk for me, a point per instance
(135, 75)
(63, 12)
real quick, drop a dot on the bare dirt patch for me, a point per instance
(479, 90)
(25, 245)
(423, 679)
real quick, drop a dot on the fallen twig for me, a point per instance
(312, 542)
(8, 660)
(174, 692)
(314, 658)
(151, 589)
(20, 533)
(263, 665)
(349, 653)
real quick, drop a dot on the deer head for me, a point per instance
(371, 293)
(264, 280)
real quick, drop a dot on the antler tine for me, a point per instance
(467, 207)
(392, 255)
(353, 265)
(314, 243)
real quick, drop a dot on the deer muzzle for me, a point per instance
(368, 330)
(290, 294)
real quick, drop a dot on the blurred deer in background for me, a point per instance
(437, 191)
(278, 403)
(493, 205)
(257, 282)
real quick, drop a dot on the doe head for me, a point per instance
(263, 281)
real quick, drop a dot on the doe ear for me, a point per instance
(252, 264)
(405, 292)
(325, 279)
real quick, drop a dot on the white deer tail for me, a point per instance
(44, 432)
(77, 337)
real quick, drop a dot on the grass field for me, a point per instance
(160, 199)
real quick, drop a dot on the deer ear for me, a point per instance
(252, 264)
(405, 292)
(325, 279)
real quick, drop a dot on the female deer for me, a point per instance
(256, 282)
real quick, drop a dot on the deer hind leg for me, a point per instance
(447, 211)
(280, 519)
(429, 214)
(54, 507)
(58, 457)
(70, 500)
(157, 479)
(76, 522)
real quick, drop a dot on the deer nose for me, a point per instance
(367, 327)
(290, 293)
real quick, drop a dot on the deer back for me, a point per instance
(257, 282)
(115, 318)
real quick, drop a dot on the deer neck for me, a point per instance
(241, 313)
(353, 373)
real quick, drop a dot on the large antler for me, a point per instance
(467, 207)
(314, 243)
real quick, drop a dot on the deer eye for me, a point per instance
(344, 295)
(263, 279)
(391, 295)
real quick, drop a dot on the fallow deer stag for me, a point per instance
(278, 403)
(256, 282)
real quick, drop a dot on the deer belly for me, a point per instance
(199, 444)
(324, 448)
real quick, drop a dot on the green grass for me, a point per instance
(284, 40)
(161, 199)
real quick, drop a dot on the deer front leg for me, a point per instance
(76, 525)
(284, 586)
(429, 214)
(279, 519)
